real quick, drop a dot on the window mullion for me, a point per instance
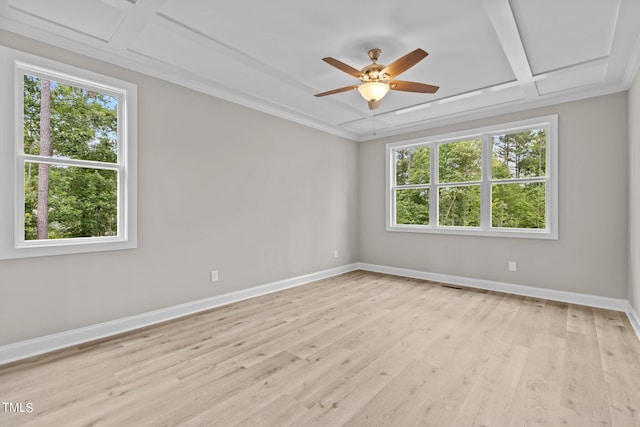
(433, 189)
(89, 164)
(485, 186)
(390, 170)
(460, 184)
(520, 180)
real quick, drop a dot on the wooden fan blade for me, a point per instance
(342, 89)
(343, 67)
(403, 64)
(412, 87)
(374, 104)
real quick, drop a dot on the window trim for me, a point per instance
(550, 122)
(12, 157)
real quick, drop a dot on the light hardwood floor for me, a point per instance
(360, 349)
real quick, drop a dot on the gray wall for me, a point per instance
(590, 255)
(634, 194)
(220, 187)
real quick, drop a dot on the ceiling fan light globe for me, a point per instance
(373, 91)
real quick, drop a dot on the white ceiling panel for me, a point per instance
(558, 34)
(369, 126)
(487, 56)
(572, 78)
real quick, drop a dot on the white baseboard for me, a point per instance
(634, 319)
(46, 344)
(529, 291)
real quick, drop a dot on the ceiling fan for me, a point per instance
(378, 79)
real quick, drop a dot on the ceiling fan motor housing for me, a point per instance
(372, 72)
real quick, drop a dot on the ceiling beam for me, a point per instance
(504, 24)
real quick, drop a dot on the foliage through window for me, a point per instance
(459, 169)
(74, 145)
(68, 122)
(518, 174)
(491, 181)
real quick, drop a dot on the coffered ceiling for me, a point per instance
(487, 56)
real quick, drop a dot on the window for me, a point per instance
(68, 159)
(495, 181)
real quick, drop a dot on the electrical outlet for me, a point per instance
(214, 275)
(335, 253)
(512, 266)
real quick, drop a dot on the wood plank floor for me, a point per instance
(360, 349)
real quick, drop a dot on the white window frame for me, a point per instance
(485, 134)
(14, 65)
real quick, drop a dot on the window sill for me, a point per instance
(66, 247)
(475, 231)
